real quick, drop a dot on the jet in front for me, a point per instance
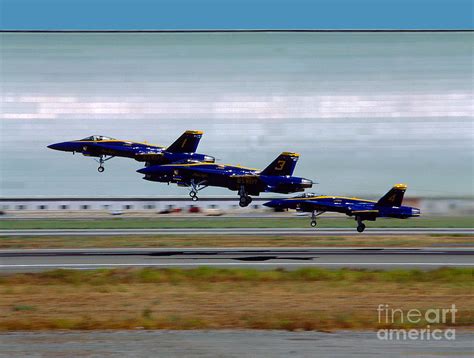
(183, 150)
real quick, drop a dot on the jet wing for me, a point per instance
(149, 157)
(183, 173)
(365, 214)
(202, 170)
(309, 205)
(366, 211)
(216, 171)
(245, 179)
(126, 148)
(361, 210)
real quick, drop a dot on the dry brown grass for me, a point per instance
(229, 241)
(309, 299)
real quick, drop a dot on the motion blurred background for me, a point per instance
(364, 110)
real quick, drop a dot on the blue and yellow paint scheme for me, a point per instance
(389, 206)
(277, 177)
(183, 150)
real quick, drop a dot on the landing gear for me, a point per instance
(244, 200)
(315, 214)
(193, 195)
(101, 161)
(195, 187)
(360, 225)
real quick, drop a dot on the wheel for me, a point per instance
(360, 227)
(194, 198)
(101, 169)
(313, 223)
(249, 200)
(243, 202)
(192, 194)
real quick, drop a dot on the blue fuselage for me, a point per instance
(226, 176)
(349, 206)
(139, 151)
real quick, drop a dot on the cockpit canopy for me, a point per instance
(95, 138)
(306, 195)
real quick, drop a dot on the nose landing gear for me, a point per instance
(102, 159)
(360, 224)
(193, 195)
(315, 214)
(195, 187)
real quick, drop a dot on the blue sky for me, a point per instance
(236, 14)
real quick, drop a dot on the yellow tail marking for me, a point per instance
(280, 165)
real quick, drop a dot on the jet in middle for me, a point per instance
(105, 148)
(276, 178)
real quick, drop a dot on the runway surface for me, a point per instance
(224, 343)
(239, 231)
(265, 258)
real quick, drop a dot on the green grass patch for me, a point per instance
(225, 222)
(211, 274)
(202, 240)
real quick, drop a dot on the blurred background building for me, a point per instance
(215, 206)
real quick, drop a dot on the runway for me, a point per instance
(223, 343)
(239, 231)
(264, 258)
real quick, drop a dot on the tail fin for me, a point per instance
(186, 143)
(394, 197)
(283, 165)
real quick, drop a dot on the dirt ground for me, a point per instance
(308, 299)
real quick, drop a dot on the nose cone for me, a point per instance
(154, 169)
(144, 170)
(415, 212)
(64, 146)
(272, 203)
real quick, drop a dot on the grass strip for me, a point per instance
(214, 298)
(225, 222)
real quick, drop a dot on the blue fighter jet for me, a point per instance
(105, 148)
(389, 206)
(277, 177)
